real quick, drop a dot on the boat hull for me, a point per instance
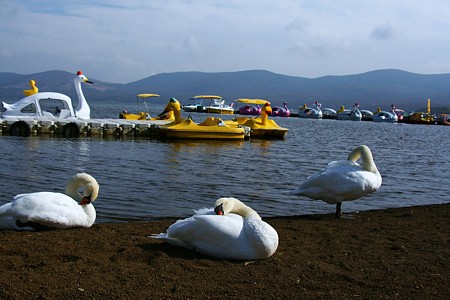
(211, 128)
(219, 111)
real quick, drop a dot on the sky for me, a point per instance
(123, 41)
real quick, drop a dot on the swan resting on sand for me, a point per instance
(47, 210)
(231, 230)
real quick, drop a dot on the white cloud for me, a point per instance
(123, 41)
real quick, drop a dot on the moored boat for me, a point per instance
(249, 109)
(145, 115)
(195, 105)
(347, 114)
(261, 127)
(329, 113)
(217, 105)
(310, 112)
(278, 111)
(211, 128)
(385, 116)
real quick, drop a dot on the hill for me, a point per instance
(371, 89)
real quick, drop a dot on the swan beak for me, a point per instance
(86, 200)
(88, 81)
(219, 210)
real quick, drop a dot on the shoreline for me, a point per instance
(390, 253)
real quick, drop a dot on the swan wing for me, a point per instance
(340, 181)
(49, 209)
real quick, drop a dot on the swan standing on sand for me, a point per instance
(45, 210)
(231, 231)
(343, 180)
(82, 110)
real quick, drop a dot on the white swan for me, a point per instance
(82, 110)
(343, 180)
(231, 231)
(44, 210)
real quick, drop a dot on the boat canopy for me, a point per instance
(144, 96)
(207, 97)
(252, 101)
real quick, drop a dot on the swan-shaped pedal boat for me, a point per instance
(343, 180)
(347, 114)
(37, 104)
(211, 128)
(385, 116)
(310, 112)
(232, 230)
(261, 127)
(47, 210)
(168, 118)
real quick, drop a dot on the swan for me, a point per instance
(33, 89)
(82, 110)
(343, 180)
(231, 230)
(45, 210)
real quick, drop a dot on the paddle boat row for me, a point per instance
(215, 128)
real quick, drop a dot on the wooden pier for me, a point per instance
(73, 128)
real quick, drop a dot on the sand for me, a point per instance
(386, 254)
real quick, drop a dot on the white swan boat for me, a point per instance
(310, 112)
(385, 116)
(347, 114)
(49, 104)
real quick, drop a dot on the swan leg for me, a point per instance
(338, 210)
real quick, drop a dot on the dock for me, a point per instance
(73, 128)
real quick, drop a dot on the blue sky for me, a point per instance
(124, 41)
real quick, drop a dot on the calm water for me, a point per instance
(145, 179)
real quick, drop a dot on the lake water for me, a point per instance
(146, 179)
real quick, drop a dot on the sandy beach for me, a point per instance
(401, 253)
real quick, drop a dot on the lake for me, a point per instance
(145, 179)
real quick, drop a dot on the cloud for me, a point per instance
(384, 32)
(123, 41)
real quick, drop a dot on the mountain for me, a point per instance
(375, 88)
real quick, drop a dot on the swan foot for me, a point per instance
(338, 210)
(34, 225)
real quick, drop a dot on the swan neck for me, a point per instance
(72, 190)
(365, 154)
(244, 210)
(81, 99)
(90, 212)
(82, 110)
(264, 117)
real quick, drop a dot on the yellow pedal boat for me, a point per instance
(145, 115)
(261, 127)
(211, 128)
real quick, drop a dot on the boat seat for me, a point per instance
(210, 121)
(64, 113)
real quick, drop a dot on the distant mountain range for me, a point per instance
(382, 88)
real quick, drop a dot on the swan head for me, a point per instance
(267, 108)
(81, 78)
(228, 205)
(87, 184)
(172, 105)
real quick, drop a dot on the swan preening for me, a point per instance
(343, 180)
(45, 210)
(231, 230)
